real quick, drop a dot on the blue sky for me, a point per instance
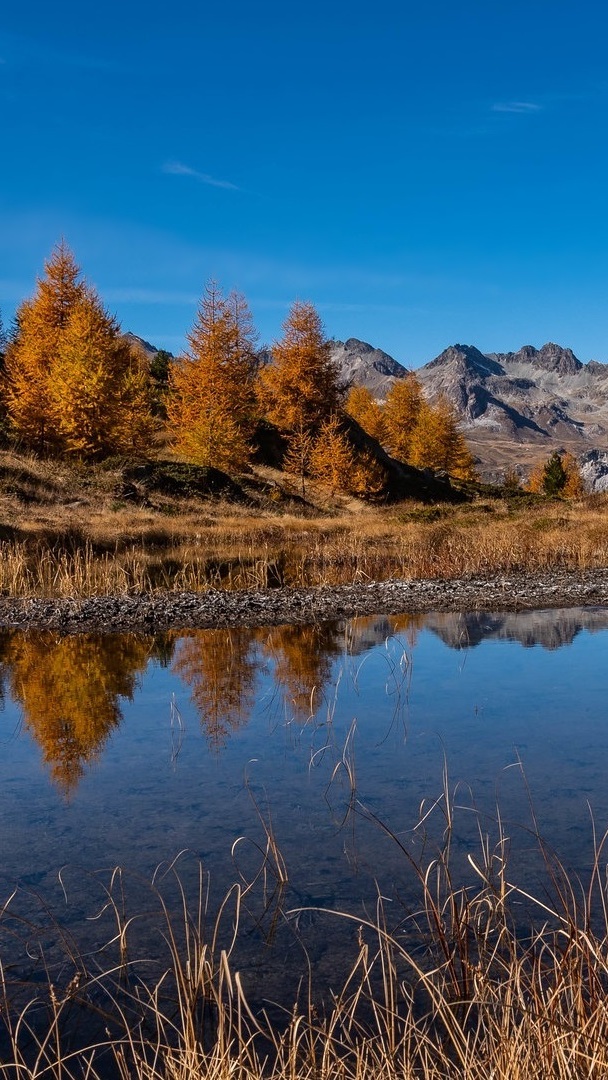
(424, 173)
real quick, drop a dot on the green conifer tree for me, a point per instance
(554, 475)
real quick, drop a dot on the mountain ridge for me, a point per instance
(514, 407)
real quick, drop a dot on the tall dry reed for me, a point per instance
(244, 554)
(479, 979)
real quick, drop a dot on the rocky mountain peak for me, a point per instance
(364, 365)
(140, 343)
(555, 358)
(467, 359)
(550, 357)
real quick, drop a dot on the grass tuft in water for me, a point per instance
(478, 978)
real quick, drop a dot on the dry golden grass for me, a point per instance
(482, 980)
(66, 531)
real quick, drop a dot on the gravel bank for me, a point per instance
(164, 611)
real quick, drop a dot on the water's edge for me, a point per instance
(271, 607)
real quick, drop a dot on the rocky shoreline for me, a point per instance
(172, 610)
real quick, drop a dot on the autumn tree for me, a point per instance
(99, 393)
(438, 444)
(302, 659)
(72, 384)
(298, 454)
(534, 482)
(332, 457)
(300, 387)
(336, 461)
(40, 322)
(558, 475)
(363, 407)
(211, 402)
(400, 416)
(369, 478)
(574, 487)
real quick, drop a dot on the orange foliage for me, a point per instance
(297, 456)
(30, 357)
(71, 384)
(69, 690)
(302, 658)
(211, 404)
(335, 461)
(369, 479)
(574, 487)
(424, 435)
(535, 480)
(332, 458)
(299, 389)
(100, 398)
(400, 416)
(437, 443)
(220, 668)
(363, 407)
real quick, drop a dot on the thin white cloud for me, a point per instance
(177, 168)
(522, 107)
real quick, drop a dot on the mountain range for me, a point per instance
(515, 408)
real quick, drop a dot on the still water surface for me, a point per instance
(126, 750)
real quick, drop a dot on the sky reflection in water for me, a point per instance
(126, 749)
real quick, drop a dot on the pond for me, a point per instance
(313, 764)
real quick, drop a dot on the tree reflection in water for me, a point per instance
(302, 657)
(220, 668)
(69, 689)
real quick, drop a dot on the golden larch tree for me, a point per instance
(99, 393)
(298, 453)
(438, 444)
(534, 482)
(369, 479)
(363, 407)
(332, 457)
(336, 461)
(302, 660)
(211, 401)
(300, 387)
(400, 415)
(31, 355)
(574, 487)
